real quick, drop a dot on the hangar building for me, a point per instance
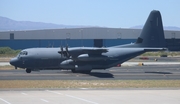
(91, 37)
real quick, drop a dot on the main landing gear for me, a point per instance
(28, 70)
(81, 71)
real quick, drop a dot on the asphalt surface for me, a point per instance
(167, 70)
(147, 72)
(91, 97)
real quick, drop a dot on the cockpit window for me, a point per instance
(23, 53)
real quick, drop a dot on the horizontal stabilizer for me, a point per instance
(155, 49)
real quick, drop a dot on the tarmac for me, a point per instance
(167, 70)
(90, 97)
(146, 72)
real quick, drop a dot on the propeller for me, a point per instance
(61, 52)
(67, 52)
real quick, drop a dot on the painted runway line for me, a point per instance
(5, 101)
(74, 97)
(45, 100)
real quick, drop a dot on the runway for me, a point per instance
(159, 71)
(147, 72)
(90, 97)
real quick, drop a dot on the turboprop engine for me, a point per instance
(67, 64)
(80, 62)
(70, 64)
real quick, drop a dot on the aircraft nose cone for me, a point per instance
(13, 61)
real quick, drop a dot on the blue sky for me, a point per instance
(105, 13)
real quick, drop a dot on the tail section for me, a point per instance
(152, 34)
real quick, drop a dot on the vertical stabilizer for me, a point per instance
(152, 34)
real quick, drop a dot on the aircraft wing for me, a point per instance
(94, 51)
(75, 52)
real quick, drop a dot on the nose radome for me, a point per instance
(13, 61)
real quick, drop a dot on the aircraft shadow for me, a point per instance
(101, 75)
(95, 74)
(159, 72)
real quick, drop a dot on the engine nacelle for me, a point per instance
(67, 64)
(86, 57)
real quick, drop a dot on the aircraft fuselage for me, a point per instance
(49, 58)
(88, 58)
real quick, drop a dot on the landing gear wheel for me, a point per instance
(28, 70)
(73, 70)
(87, 72)
(82, 71)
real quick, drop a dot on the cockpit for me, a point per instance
(23, 53)
(19, 60)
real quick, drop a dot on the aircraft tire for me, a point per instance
(28, 70)
(86, 72)
(73, 70)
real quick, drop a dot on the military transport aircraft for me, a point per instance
(85, 59)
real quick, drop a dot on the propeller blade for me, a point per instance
(62, 51)
(67, 48)
(67, 52)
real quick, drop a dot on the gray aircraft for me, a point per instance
(85, 59)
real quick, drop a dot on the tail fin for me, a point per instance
(152, 34)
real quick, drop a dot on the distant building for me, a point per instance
(91, 37)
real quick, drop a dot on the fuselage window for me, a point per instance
(23, 53)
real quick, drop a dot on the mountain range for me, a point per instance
(7, 24)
